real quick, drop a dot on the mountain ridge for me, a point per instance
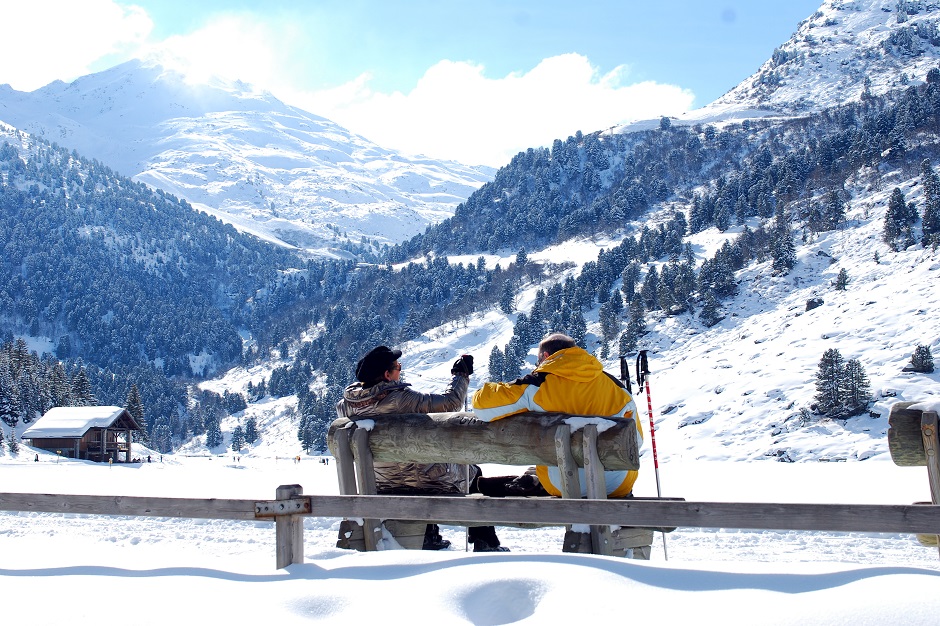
(245, 156)
(840, 53)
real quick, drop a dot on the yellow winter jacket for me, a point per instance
(569, 381)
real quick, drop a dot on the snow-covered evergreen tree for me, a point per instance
(577, 329)
(782, 248)
(899, 218)
(922, 360)
(8, 410)
(213, 434)
(711, 310)
(842, 280)
(931, 219)
(81, 390)
(829, 382)
(496, 364)
(855, 394)
(507, 299)
(162, 436)
(251, 430)
(135, 407)
(238, 438)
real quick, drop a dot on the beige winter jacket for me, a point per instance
(395, 398)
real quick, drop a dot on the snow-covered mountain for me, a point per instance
(244, 156)
(842, 50)
(748, 382)
(744, 389)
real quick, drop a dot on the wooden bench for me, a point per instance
(567, 441)
(913, 441)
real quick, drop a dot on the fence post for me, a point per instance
(289, 530)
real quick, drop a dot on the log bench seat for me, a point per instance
(567, 441)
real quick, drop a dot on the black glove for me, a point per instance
(463, 365)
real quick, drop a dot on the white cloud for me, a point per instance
(45, 40)
(232, 46)
(456, 112)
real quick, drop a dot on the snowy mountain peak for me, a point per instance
(843, 50)
(243, 155)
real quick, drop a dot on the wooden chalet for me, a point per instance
(91, 433)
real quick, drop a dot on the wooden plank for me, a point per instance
(638, 513)
(905, 441)
(365, 479)
(523, 439)
(409, 534)
(289, 530)
(570, 481)
(211, 508)
(342, 452)
(601, 540)
(922, 519)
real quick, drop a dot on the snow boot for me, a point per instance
(433, 539)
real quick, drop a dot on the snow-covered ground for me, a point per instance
(162, 570)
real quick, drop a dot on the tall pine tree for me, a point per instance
(135, 406)
(251, 430)
(931, 219)
(899, 218)
(829, 382)
(856, 389)
(238, 438)
(782, 248)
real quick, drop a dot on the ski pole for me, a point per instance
(643, 378)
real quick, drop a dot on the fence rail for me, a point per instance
(290, 506)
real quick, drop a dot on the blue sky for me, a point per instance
(471, 80)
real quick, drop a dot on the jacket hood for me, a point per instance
(574, 364)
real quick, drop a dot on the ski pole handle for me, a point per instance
(625, 374)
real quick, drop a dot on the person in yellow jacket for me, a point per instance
(567, 380)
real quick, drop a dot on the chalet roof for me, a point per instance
(75, 421)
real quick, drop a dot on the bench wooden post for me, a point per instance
(570, 481)
(601, 540)
(345, 470)
(288, 530)
(928, 426)
(365, 479)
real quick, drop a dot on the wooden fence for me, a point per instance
(290, 506)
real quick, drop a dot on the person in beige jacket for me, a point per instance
(379, 390)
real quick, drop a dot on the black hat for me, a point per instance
(374, 364)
